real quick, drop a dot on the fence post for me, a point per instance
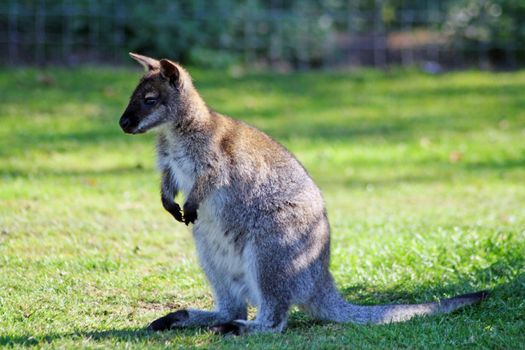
(13, 37)
(379, 35)
(118, 36)
(93, 28)
(40, 33)
(276, 41)
(301, 33)
(407, 53)
(433, 18)
(66, 34)
(249, 34)
(351, 31)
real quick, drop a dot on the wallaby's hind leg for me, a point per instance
(272, 316)
(228, 307)
(270, 292)
(326, 303)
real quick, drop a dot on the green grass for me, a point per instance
(423, 177)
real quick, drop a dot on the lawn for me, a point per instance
(423, 177)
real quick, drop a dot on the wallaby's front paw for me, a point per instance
(190, 213)
(171, 320)
(230, 328)
(177, 213)
(172, 208)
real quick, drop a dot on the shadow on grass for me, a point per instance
(502, 164)
(113, 171)
(128, 334)
(504, 304)
(113, 336)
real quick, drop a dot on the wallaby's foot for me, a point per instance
(172, 320)
(196, 318)
(230, 328)
(241, 327)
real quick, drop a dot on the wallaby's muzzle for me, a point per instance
(128, 124)
(124, 124)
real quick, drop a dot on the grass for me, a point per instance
(423, 177)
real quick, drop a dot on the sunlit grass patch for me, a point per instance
(423, 178)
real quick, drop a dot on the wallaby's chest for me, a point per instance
(180, 165)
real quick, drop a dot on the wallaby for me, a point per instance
(259, 220)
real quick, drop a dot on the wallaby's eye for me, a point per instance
(150, 101)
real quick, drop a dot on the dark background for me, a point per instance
(276, 34)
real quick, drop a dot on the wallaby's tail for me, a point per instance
(333, 307)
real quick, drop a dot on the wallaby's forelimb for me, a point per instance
(169, 191)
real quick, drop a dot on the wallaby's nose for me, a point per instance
(124, 123)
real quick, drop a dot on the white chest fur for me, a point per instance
(181, 166)
(182, 172)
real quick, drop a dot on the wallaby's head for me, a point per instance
(158, 97)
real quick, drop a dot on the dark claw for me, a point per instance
(190, 213)
(169, 321)
(173, 208)
(230, 328)
(177, 213)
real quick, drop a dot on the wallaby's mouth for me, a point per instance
(133, 131)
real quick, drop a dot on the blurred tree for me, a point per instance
(494, 27)
(218, 33)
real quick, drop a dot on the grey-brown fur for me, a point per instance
(259, 221)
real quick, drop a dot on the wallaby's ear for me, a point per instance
(147, 62)
(170, 71)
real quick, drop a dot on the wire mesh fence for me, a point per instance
(281, 34)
